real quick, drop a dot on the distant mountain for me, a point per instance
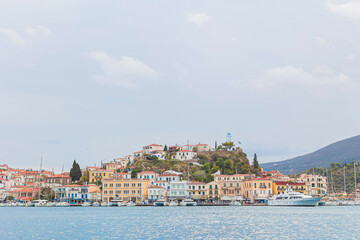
(344, 151)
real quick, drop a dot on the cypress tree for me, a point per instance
(75, 172)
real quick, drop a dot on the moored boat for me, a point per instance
(188, 202)
(63, 204)
(235, 203)
(161, 203)
(292, 198)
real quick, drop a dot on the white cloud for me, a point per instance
(39, 30)
(198, 18)
(350, 9)
(13, 36)
(321, 80)
(323, 42)
(125, 72)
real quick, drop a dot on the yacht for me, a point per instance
(235, 203)
(50, 204)
(2, 204)
(86, 204)
(63, 204)
(161, 203)
(130, 204)
(115, 203)
(40, 203)
(292, 198)
(188, 202)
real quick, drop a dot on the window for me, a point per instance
(105, 184)
(118, 185)
(254, 185)
(111, 192)
(111, 185)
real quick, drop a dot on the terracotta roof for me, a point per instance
(153, 145)
(290, 183)
(185, 151)
(168, 175)
(154, 186)
(147, 172)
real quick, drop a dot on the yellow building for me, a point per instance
(231, 186)
(279, 187)
(197, 191)
(135, 190)
(213, 191)
(257, 189)
(99, 174)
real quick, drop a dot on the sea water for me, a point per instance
(228, 222)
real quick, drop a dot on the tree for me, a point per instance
(75, 172)
(255, 162)
(194, 149)
(228, 145)
(165, 148)
(9, 198)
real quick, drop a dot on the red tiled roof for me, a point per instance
(153, 145)
(290, 183)
(154, 186)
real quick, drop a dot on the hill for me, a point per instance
(341, 152)
(227, 162)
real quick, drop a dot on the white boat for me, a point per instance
(40, 203)
(347, 203)
(130, 204)
(96, 204)
(2, 204)
(331, 203)
(30, 204)
(161, 203)
(292, 198)
(86, 204)
(188, 202)
(235, 203)
(50, 204)
(173, 204)
(63, 204)
(104, 204)
(115, 203)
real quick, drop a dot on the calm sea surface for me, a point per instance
(180, 223)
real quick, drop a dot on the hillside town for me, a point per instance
(121, 180)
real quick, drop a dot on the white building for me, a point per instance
(76, 193)
(169, 177)
(149, 175)
(177, 190)
(185, 155)
(156, 192)
(153, 147)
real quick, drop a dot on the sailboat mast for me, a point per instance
(40, 176)
(355, 178)
(344, 181)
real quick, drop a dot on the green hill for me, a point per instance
(345, 151)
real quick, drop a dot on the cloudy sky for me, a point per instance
(95, 80)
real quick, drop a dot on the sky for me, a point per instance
(97, 80)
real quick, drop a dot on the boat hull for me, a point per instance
(308, 202)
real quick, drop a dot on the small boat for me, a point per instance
(130, 204)
(161, 203)
(347, 203)
(173, 204)
(115, 203)
(2, 204)
(331, 203)
(292, 198)
(30, 204)
(50, 204)
(40, 203)
(86, 204)
(96, 204)
(104, 204)
(188, 202)
(63, 204)
(235, 203)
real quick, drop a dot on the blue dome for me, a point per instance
(229, 134)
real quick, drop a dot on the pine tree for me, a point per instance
(165, 148)
(75, 172)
